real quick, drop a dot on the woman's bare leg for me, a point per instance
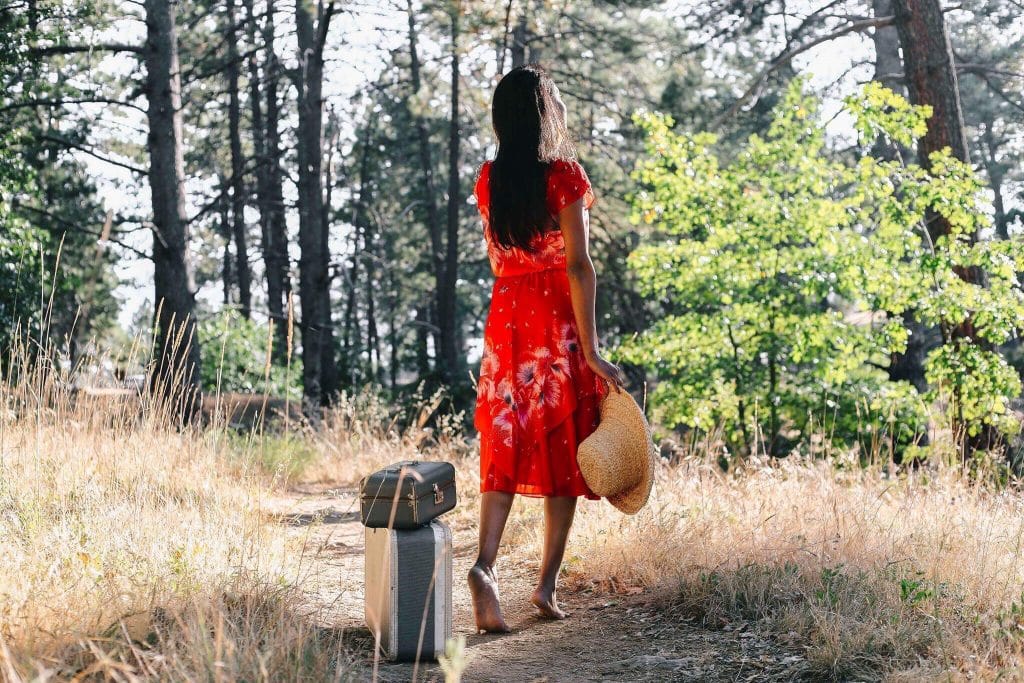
(558, 515)
(483, 584)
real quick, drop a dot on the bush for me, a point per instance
(236, 357)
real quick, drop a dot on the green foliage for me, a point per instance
(916, 590)
(879, 111)
(239, 358)
(20, 244)
(285, 455)
(19, 276)
(1010, 621)
(783, 275)
(52, 265)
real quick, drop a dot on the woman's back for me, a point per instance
(566, 183)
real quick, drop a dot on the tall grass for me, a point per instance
(134, 551)
(872, 574)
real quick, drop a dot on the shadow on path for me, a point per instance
(327, 515)
(630, 641)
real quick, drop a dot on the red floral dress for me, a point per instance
(537, 398)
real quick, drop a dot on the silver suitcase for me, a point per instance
(408, 583)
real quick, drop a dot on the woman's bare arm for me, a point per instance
(583, 289)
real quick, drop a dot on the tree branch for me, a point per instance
(60, 103)
(321, 29)
(785, 57)
(999, 91)
(980, 69)
(67, 225)
(93, 153)
(74, 49)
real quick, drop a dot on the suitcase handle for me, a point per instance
(397, 467)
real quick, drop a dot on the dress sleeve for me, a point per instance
(568, 183)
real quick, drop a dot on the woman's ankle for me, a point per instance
(482, 566)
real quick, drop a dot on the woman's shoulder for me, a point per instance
(566, 167)
(568, 182)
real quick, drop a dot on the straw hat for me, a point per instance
(617, 460)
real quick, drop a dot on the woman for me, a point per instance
(542, 376)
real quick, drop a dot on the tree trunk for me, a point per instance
(242, 271)
(226, 266)
(427, 168)
(275, 298)
(907, 366)
(351, 333)
(392, 330)
(888, 70)
(422, 330)
(176, 378)
(275, 242)
(996, 174)
(888, 64)
(503, 47)
(931, 80)
(330, 378)
(447, 311)
(519, 39)
(314, 282)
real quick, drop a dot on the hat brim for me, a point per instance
(633, 499)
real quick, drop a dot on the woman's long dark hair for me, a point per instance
(531, 134)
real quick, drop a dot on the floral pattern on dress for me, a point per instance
(536, 396)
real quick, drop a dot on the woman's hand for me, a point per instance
(610, 372)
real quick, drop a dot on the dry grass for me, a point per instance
(908, 576)
(135, 552)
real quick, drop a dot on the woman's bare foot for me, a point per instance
(547, 604)
(483, 587)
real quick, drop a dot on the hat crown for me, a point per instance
(617, 459)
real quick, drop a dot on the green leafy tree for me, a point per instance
(54, 232)
(19, 262)
(970, 380)
(20, 242)
(783, 274)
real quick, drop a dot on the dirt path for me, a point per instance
(606, 638)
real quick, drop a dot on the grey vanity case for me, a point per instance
(407, 494)
(408, 583)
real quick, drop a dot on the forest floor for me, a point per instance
(630, 637)
(136, 552)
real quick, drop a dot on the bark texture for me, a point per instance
(242, 271)
(176, 377)
(447, 302)
(275, 232)
(319, 371)
(931, 80)
(931, 77)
